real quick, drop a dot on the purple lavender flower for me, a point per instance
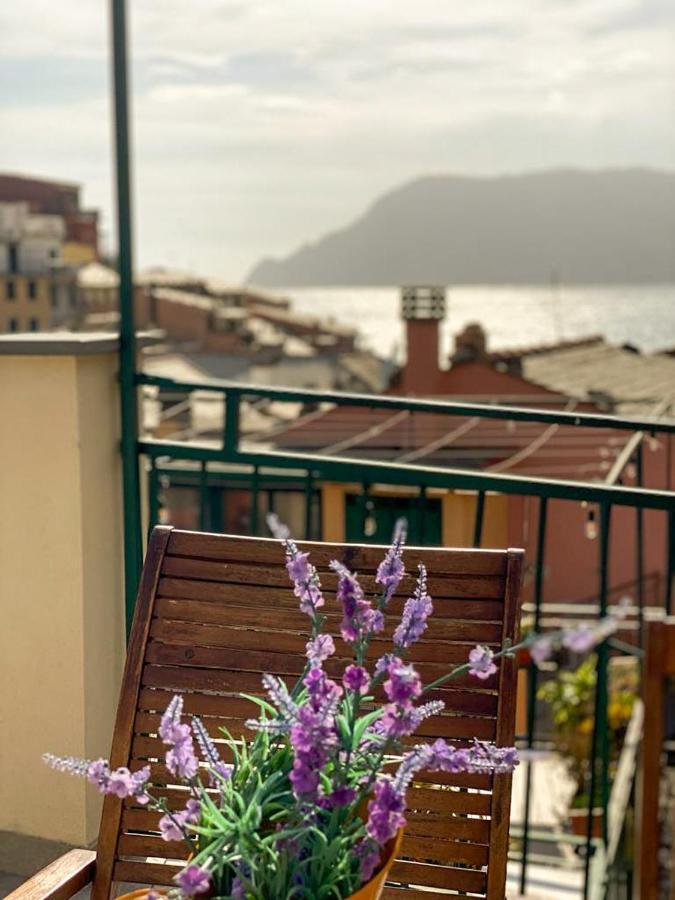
(238, 891)
(278, 529)
(416, 611)
(369, 854)
(172, 827)
(359, 618)
(281, 699)
(180, 757)
(341, 796)
(319, 649)
(541, 650)
(482, 665)
(119, 782)
(581, 639)
(305, 578)
(356, 678)
(193, 880)
(218, 770)
(403, 684)
(481, 756)
(313, 733)
(385, 812)
(391, 569)
(98, 773)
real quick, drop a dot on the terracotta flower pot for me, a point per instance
(370, 891)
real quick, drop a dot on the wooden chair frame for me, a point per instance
(478, 594)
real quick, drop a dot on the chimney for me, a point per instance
(470, 344)
(422, 308)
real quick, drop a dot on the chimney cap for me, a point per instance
(422, 302)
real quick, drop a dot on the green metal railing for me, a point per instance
(264, 474)
(230, 464)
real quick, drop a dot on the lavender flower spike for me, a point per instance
(193, 880)
(481, 660)
(391, 569)
(218, 770)
(277, 528)
(416, 611)
(305, 578)
(359, 618)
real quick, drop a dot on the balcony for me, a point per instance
(588, 544)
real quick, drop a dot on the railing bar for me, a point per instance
(203, 492)
(532, 677)
(254, 501)
(516, 413)
(309, 490)
(640, 546)
(231, 422)
(430, 476)
(599, 743)
(153, 495)
(478, 520)
(421, 514)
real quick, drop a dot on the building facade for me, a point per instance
(37, 289)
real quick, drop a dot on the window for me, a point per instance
(32, 290)
(33, 324)
(13, 324)
(13, 258)
(53, 293)
(11, 290)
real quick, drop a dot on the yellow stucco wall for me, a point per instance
(61, 594)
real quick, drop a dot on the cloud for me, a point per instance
(259, 124)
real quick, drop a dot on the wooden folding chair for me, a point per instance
(214, 612)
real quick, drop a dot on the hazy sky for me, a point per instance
(259, 124)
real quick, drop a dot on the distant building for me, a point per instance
(37, 290)
(57, 198)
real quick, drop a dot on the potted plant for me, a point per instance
(571, 696)
(313, 805)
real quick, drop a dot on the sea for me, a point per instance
(519, 316)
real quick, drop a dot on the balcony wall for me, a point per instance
(61, 588)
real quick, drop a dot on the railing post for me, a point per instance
(254, 501)
(153, 494)
(600, 741)
(309, 496)
(532, 678)
(478, 521)
(639, 548)
(203, 495)
(127, 349)
(231, 431)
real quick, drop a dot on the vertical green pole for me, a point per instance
(127, 346)
(309, 507)
(639, 551)
(153, 494)
(421, 514)
(478, 521)
(599, 757)
(231, 427)
(532, 678)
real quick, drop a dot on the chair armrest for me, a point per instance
(59, 880)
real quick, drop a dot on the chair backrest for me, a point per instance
(214, 612)
(658, 672)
